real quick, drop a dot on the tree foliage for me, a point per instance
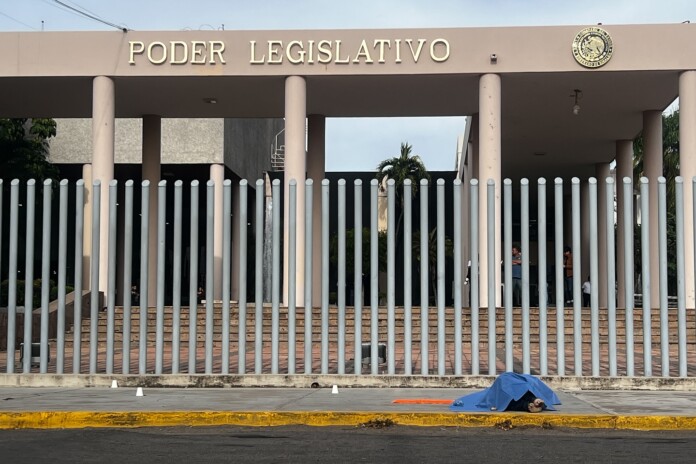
(24, 149)
(432, 256)
(670, 170)
(366, 257)
(402, 167)
(399, 168)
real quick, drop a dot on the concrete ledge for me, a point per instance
(343, 381)
(81, 419)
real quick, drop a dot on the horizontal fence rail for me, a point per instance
(392, 278)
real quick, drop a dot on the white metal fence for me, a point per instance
(188, 331)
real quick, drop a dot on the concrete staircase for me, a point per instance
(168, 319)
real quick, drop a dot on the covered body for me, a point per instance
(509, 387)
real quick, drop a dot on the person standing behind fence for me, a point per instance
(568, 267)
(586, 292)
(516, 276)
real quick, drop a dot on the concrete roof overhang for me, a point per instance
(51, 74)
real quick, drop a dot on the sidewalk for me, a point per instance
(24, 407)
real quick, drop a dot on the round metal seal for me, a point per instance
(592, 47)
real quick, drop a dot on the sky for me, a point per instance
(351, 143)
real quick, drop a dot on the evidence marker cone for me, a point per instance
(114, 384)
(139, 392)
(334, 390)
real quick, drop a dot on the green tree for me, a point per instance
(399, 168)
(24, 149)
(670, 170)
(366, 258)
(432, 257)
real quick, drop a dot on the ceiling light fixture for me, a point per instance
(577, 94)
(212, 101)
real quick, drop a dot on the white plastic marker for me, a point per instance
(139, 392)
(114, 384)
(334, 390)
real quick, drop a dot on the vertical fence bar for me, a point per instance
(374, 278)
(292, 269)
(2, 187)
(560, 275)
(681, 287)
(193, 279)
(127, 276)
(94, 277)
(209, 274)
(662, 253)
(693, 210)
(77, 309)
(441, 348)
(594, 276)
(474, 274)
(45, 349)
(29, 275)
(144, 273)
(542, 286)
(308, 303)
(492, 265)
(161, 264)
(12, 276)
(577, 309)
(341, 276)
(62, 270)
(243, 227)
(111, 278)
(507, 271)
(325, 212)
(457, 217)
(176, 278)
(645, 275)
(226, 272)
(258, 279)
(408, 253)
(611, 274)
(391, 270)
(424, 255)
(275, 277)
(524, 223)
(628, 266)
(357, 278)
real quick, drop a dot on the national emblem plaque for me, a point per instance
(592, 47)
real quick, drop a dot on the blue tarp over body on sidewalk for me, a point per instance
(508, 387)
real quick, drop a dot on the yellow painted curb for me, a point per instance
(84, 419)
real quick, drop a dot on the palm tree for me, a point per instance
(402, 167)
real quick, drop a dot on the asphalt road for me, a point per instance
(343, 444)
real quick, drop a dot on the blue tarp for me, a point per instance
(506, 388)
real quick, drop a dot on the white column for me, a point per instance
(624, 168)
(489, 168)
(87, 228)
(652, 169)
(151, 170)
(602, 171)
(687, 169)
(103, 119)
(316, 162)
(295, 168)
(217, 175)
